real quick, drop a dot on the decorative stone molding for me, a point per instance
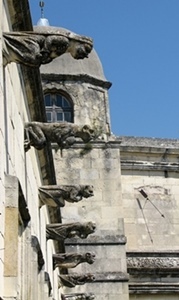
(64, 134)
(149, 166)
(71, 280)
(60, 232)
(35, 48)
(71, 260)
(154, 288)
(143, 144)
(150, 263)
(96, 144)
(55, 195)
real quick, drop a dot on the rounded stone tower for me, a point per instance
(76, 90)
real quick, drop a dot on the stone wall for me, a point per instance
(151, 219)
(98, 166)
(26, 269)
(2, 150)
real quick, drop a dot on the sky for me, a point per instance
(137, 42)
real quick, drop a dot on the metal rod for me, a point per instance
(147, 198)
(140, 206)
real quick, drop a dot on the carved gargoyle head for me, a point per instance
(79, 50)
(90, 257)
(88, 191)
(90, 277)
(89, 228)
(86, 133)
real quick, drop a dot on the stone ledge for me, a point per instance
(77, 78)
(154, 288)
(111, 277)
(145, 165)
(95, 145)
(154, 143)
(98, 240)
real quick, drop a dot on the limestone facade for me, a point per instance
(135, 180)
(26, 270)
(151, 224)
(99, 167)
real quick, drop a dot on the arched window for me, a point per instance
(58, 108)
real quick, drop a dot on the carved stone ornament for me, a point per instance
(75, 296)
(71, 260)
(54, 195)
(41, 47)
(69, 230)
(166, 263)
(64, 134)
(72, 280)
(152, 262)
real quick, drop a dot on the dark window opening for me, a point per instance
(58, 108)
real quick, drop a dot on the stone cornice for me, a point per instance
(149, 166)
(164, 144)
(154, 288)
(146, 149)
(97, 144)
(57, 79)
(158, 271)
(161, 263)
(98, 240)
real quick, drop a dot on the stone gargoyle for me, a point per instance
(69, 230)
(54, 195)
(71, 260)
(33, 48)
(64, 134)
(79, 296)
(71, 280)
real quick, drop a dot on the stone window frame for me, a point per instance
(66, 111)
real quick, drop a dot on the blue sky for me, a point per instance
(138, 44)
